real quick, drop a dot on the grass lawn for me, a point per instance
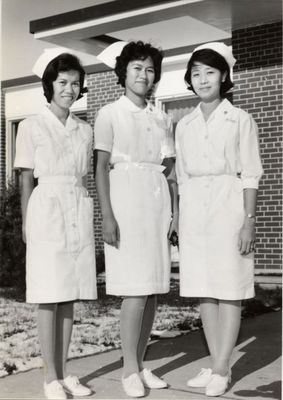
(96, 324)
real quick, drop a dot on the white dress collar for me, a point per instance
(71, 122)
(127, 103)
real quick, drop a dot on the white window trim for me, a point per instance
(10, 147)
(159, 101)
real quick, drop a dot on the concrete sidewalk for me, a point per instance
(256, 372)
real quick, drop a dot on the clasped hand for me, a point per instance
(246, 243)
(111, 232)
(174, 230)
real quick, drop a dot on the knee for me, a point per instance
(47, 307)
(136, 302)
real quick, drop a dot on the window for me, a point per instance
(13, 174)
(179, 107)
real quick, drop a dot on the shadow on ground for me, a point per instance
(263, 337)
(271, 391)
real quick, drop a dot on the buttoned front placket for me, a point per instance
(207, 182)
(207, 162)
(149, 130)
(71, 218)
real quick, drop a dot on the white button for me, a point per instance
(206, 136)
(74, 225)
(148, 129)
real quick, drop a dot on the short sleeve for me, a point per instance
(251, 168)
(25, 147)
(168, 145)
(103, 131)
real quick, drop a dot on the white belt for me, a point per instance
(60, 180)
(140, 165)
(211, 176)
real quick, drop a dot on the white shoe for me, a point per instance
(202, 379)
(218, 385)
(133, 386)
(152, 381)
(73, 386)
(54, 390)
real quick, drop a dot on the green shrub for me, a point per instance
(12, 248)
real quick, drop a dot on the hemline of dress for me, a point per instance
(60, 300)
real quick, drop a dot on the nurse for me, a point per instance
(134, 146)
(218, 169)
(55, 146)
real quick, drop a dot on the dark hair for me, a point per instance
(138, 51)
(214, 60)
(62, 63)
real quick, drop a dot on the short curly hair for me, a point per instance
(62, 63)
(138, 51)
(214, 60)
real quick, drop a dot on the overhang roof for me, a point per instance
(175, 25)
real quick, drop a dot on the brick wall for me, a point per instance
(102, 89)
(258, 90)
(2, 142)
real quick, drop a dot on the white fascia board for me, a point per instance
(22, 102)
(180, 59)
(81, 29)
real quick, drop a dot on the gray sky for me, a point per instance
(19, 49)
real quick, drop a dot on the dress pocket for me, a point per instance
(46, 220)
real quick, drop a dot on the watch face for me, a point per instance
(250, 216)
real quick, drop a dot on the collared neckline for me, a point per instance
(71, 122)
(223, 108)
(192, 115)
(127, 103)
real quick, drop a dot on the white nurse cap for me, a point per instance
(220, 48)
(45, 58)
(108, 55)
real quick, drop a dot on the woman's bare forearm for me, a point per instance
(26, 188)
(172, 183)
(103, 184)
(250, 200)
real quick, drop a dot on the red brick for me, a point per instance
(263, 80)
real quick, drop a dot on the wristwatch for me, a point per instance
(250, 216)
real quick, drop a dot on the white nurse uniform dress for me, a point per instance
(211, 155)
(60, 258)
(138, 140)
